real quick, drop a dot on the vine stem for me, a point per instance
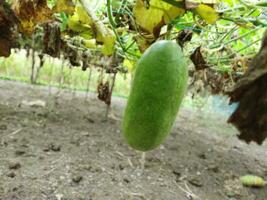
(232, 9)
(143, 160)
(74, 89)
(262, 4)
(237, 20)
(37, 73)
(250, 44)
(110, 94)
(52, 62)
(110, 16)
(238, 51)
(114, 25)
(61, 78)
(33, 60)
(88, 82)
(230, 32)
(237, 38)
(123, 3)
(242, 36)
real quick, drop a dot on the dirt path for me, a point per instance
(66, 150)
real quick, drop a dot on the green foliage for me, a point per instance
(228, 32)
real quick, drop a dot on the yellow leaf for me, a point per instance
(129, 64)
(83, 16)
(79, 21)
(172, 13)
(155, 15)
(106, 36)
(207, 13)
(102, 33)
(76, 25)
(88, 34)
(121, 30)
(66, 6)
(91, 44)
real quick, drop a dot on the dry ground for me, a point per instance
(66, 150)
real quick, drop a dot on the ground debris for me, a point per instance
(14, 165)
(52, 147)
(34, 103)
(195, 181)
(77, 178)
(11, 174)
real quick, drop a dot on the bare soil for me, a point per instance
(68, 150)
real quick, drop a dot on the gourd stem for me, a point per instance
(143, 160)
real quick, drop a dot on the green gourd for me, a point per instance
(157, 91)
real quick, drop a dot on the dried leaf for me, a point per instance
(86, 56)
(198, 59)
(144, 42)
(71, 53)
(52, 40)
(250, 91)
(211, 80)
(184, 36)
(104, 93)
(30, 13)
(8, 21)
